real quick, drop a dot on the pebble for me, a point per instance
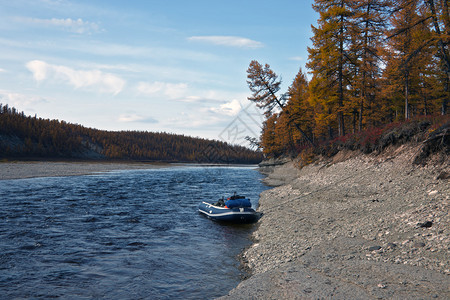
(336, 199)
(426, 224)
(374, 248)
(391, 245)
(418, 245)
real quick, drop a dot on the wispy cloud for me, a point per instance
(169, 90)
(297, 58)
(230, 41)
(19, 100)
(133, 117)
(183, 92)
(73, 25)
(192, 120)
(231, 108)
(91, 79)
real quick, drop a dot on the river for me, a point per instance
(122, 235)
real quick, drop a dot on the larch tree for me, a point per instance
(439, 14)
(329, 58)
(298, 109)
(370, 20)
(405, 44)
(268, 138)
(264, 85)
(284, 133)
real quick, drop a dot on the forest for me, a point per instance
(373, 64)
(26, 137)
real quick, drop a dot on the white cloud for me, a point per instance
(39, 69)
(231, 108)
(91, 79)
(230, 41)
(19, 100)
(133, 117)
(182, 92)
(77, 26)
(170, 90)
(297, 58)
(192, 120)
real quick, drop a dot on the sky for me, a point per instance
(172, 66)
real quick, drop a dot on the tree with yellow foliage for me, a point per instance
(370, 22)
(440, 17)
(330, 60)
(407, 56)
(298, 110)
(265, 84)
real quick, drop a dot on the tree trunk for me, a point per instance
(443, 51)
(341, 80)
(406, 96)
(364, 71)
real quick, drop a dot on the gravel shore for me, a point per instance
(20, 169)
(361, 227)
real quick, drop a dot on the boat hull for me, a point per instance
(230, 215)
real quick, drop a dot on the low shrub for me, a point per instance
(378, 138)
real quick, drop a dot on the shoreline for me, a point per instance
(10, 170)
(33, 169)
(364, 226)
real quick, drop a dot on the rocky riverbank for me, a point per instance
(361, 226)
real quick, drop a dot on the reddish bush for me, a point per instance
(378, 138)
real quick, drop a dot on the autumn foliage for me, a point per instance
(31, 137)
(372, 63)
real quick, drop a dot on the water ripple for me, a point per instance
(127, 234)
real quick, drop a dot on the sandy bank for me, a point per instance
(366, 227)
(18, 170)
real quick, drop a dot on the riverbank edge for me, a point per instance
(400, 259)
(10, 170)
(33, 169)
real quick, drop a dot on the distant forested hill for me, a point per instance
(31, 137)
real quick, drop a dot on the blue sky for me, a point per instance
(172, 66)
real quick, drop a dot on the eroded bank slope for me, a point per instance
(368, 226)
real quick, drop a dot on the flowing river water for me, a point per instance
(122, 235)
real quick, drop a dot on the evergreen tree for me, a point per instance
(370, 19)
(264, 85)
(329, 58)
(439, 14)
(268, 136)
(298, 109)
(22, 136)
(406, 55)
